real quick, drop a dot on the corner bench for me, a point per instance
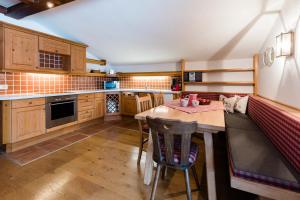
(263, 149)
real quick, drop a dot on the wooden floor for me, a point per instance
(104, 167)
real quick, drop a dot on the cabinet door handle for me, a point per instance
(30, 102)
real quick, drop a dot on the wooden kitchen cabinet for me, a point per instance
(54, 46)
(128, 104)
(78, 59)
(99, 108)
(20, 50)
(27, 122)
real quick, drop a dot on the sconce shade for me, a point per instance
(285, 44)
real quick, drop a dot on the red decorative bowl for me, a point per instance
(204, 101)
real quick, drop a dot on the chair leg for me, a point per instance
(155, 182)
(164, 172)
(140, 148)
(196, 177)
(187, 183)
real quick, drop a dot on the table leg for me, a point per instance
(149, 161)
(210, 169)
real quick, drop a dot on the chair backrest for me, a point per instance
(158, 99)
(143, 103)
(165, 133)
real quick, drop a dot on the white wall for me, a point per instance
(281, 81)
(222, 76)
(147, 67)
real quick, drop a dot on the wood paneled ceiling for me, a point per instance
(19, 9)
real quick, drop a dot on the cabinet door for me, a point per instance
(128, 105)
(78, 59)
(54, 46)
(21, 50)
(99, 108)
(28, 122)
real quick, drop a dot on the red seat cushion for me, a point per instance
(177, 150)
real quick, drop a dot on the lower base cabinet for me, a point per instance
(99, 108)
(128, 104)
(28, 122)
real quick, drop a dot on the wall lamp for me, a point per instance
(285, 44)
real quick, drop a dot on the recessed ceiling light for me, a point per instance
(50, 4)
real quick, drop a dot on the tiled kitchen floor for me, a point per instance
(103, 166)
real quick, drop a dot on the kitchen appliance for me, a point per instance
(108, 85)
(61, 110)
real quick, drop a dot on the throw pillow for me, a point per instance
(241, 104)
(229, 104)
(222, 97)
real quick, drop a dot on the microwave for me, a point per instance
(108, 85)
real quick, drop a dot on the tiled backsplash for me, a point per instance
(24, 83)
(20, 83)
(149, 82)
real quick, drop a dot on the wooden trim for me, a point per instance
(41, 71)
(222, 70)
(243, 83)
(19, 28)
(290, 109)
(94, 61)
(218, 92)
(170, 73)
(89, 74)
(262, 189)
(255, 73)
(6, 121)
(183, 63)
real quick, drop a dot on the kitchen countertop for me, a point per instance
(76, 92)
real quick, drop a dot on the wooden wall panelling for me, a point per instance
(255, 73)
(182, 74)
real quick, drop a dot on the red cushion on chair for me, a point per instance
(177, 150)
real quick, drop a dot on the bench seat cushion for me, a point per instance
(254, 157)
(240, 121)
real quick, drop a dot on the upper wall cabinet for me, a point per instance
(21, 50)
(54, 46)
(78, 59)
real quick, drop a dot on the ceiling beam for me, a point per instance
(3, 10)
(30, 7)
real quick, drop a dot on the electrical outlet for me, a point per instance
(3, 86)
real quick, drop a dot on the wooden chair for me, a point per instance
(143, 104)
(172, 147)
(158, 99)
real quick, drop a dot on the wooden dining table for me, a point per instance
(209, 123)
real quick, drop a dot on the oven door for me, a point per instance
(59, 113)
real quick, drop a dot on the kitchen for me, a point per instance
(97, 103)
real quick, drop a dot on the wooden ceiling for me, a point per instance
(19, 9)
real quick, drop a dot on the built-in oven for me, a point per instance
(61, 110)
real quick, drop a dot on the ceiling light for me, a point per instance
(285, 44)
(50, 4)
